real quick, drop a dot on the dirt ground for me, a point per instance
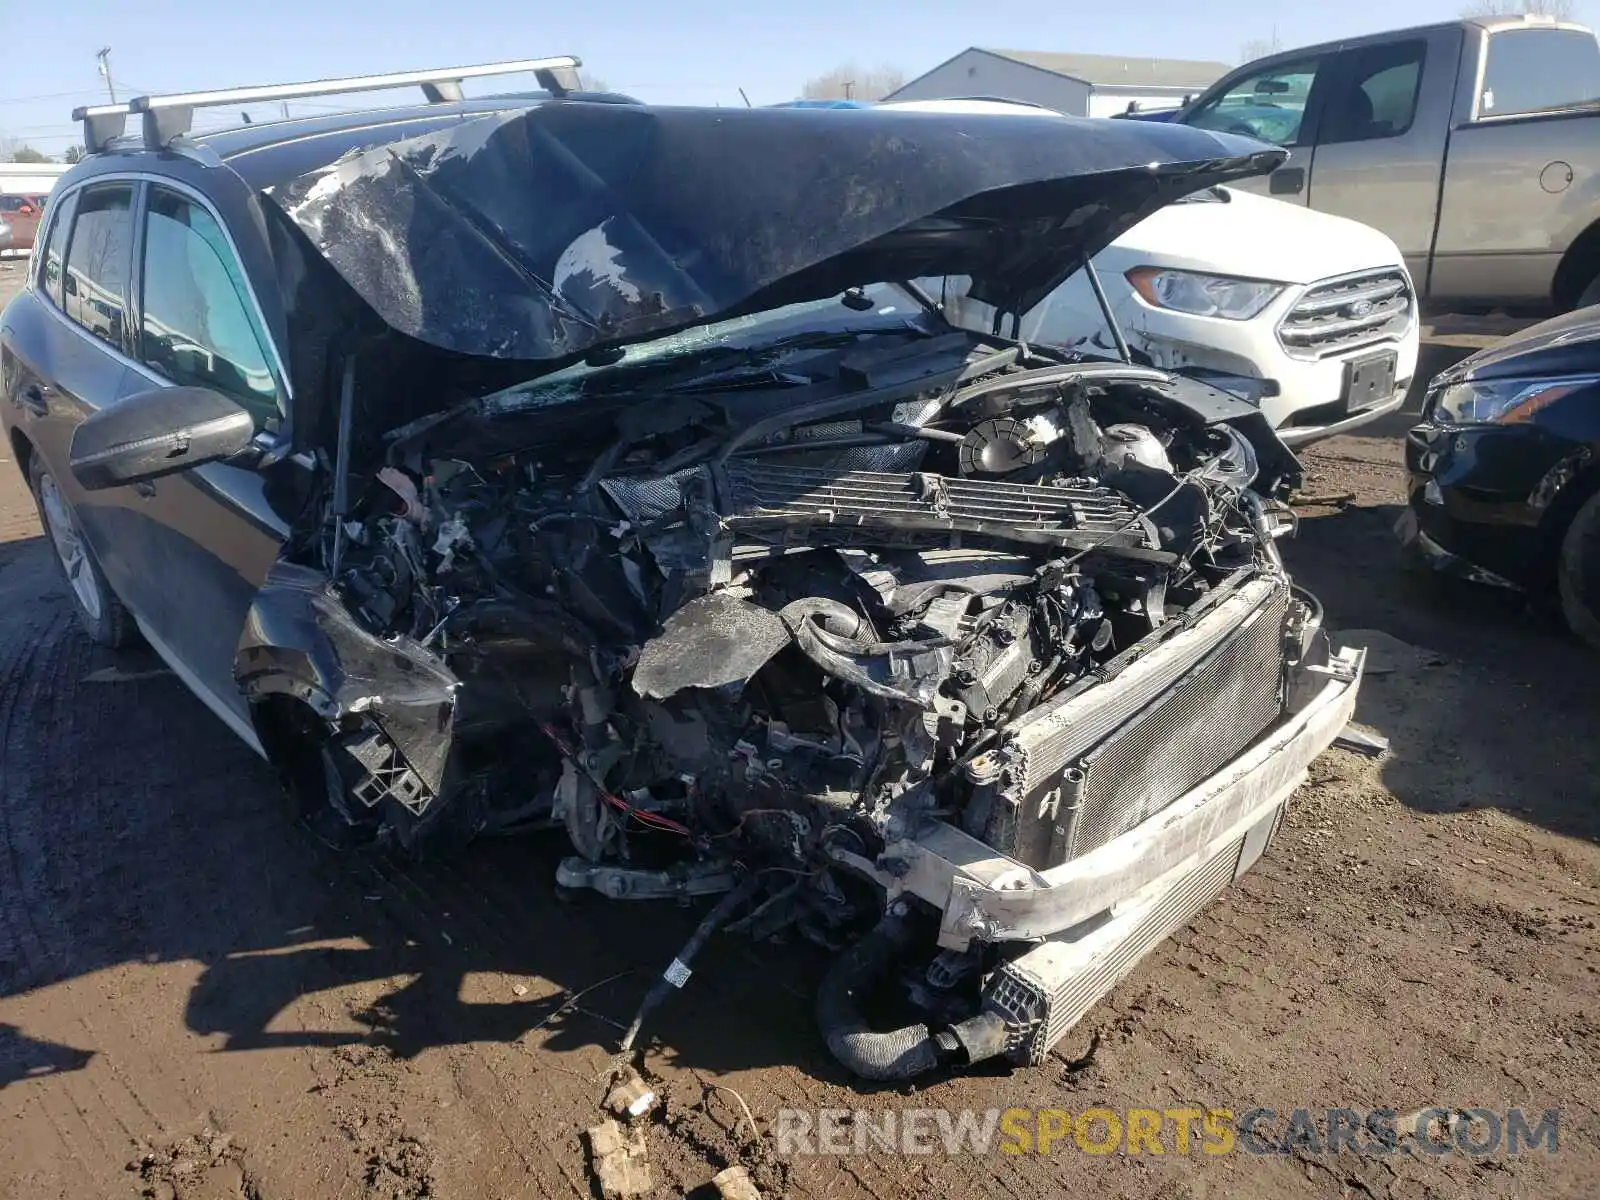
(199, 1001)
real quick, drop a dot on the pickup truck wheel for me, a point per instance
(99, 611)
(1578, 573)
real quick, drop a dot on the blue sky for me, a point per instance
(663, 51)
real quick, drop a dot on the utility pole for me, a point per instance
(104, 55)
(849, 89)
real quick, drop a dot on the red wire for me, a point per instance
(617, 802)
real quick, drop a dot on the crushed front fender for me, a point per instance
(388, 702)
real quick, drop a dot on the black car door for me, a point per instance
(209, 535)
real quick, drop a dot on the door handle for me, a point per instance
(34, 401)
(1288, 181)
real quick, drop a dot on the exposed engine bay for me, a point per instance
(758, 623)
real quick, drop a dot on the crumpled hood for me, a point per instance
(545, 234)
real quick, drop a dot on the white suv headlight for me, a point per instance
(1203, 295)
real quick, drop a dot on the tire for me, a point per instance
(99, 612)
(1578, 573)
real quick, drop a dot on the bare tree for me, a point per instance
(27, 154)
(849, 81)
(1561, 10)
(72, 154)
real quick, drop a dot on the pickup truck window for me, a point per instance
(98, 257)
(1378, 95)
(1268, 105)
(1539, 70)
(197, 327)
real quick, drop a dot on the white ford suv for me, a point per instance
(1311, 316)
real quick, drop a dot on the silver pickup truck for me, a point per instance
(1474, 144)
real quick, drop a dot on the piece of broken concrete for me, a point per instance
(619, 1160)
(734, 1183)
(630, 1096)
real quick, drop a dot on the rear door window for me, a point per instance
(199, 325)
(1538, 70)
(99, 257)
(1268, 105)
(1377, 97)
(55, 250)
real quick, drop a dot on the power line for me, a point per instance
(49, 96)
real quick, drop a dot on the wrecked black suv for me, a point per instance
(559, 461)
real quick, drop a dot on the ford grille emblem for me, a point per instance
(1361, 308)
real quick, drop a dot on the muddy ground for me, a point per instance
(197, 1000)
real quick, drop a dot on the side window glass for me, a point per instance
(55, 250)
(95, 283)
(1538, 70)
(199, 328)
(1378, 98)
(1267, 105)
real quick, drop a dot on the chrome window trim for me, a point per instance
(285, 398)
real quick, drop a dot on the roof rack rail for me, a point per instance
(171, 116)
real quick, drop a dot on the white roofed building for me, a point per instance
(1081, 85)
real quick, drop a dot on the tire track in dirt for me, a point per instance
(20, 659)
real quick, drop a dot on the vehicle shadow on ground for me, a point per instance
(1486, 698)
(430, 939)
(23, 1057)
(137, 830)
(1489, 700)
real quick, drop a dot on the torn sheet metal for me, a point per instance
(710, 642)
(300, 640)
(544, 234)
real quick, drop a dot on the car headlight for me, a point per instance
(1503, 401)
(1203, 295)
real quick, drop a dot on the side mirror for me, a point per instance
(156, 433)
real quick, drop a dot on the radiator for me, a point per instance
(1082, 770)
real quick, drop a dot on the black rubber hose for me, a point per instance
(807, 637)
(897, 1054)
(677, 972)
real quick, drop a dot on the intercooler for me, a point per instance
(1097, 761)
(1046, 990)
